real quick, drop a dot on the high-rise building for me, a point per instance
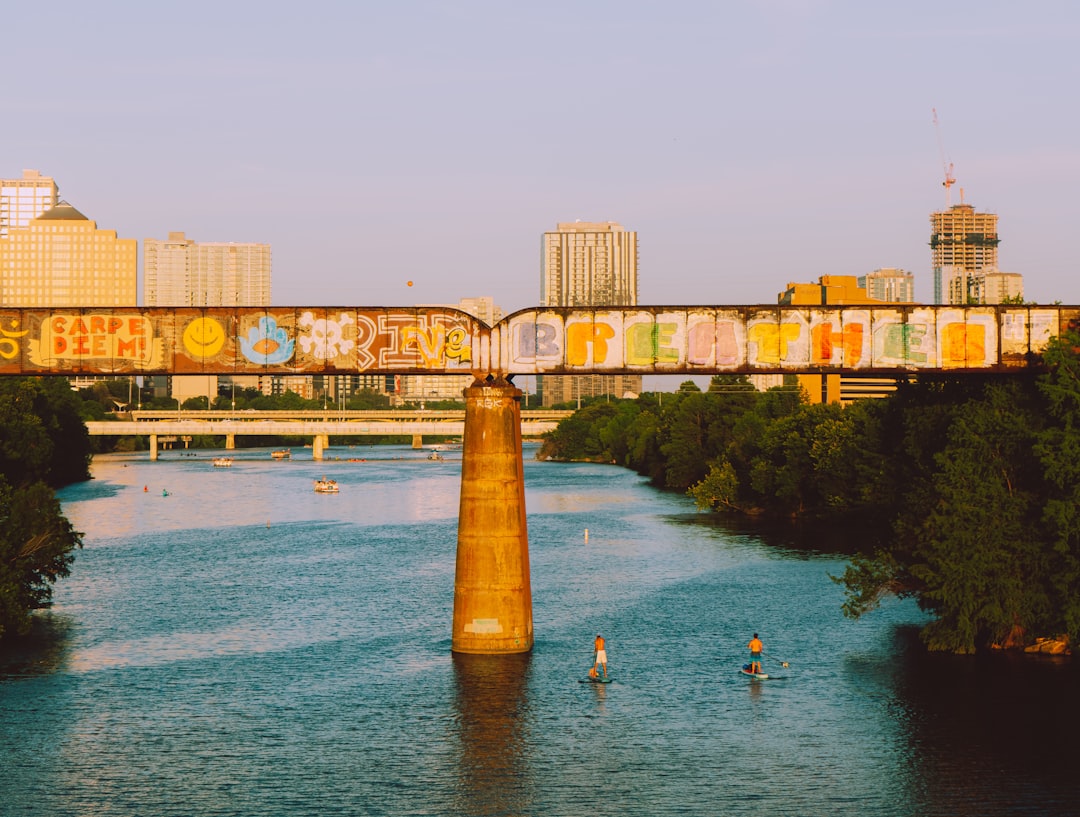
(61, 258)
(963, 244)
(588, 264)
(24, 199)
(996, 287)
(182, 272)
(889, 284)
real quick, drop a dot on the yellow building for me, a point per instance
(24, 199)
(61, 258)
(836, 388)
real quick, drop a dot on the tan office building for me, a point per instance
(963, 244)
(588, 264)
(22, 200)
(61, 258)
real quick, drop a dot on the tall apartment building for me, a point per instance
(61, 258)
(963, 245)
(181, 272)
(24, 199)
(889, 284)
(588, 264)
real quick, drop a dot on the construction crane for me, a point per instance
(946, 165)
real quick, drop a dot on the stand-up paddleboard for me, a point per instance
(760, 676)
(600, 679)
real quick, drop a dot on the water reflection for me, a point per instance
(491, 706)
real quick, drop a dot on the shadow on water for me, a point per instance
(797, 536)
(42, 651)
(492, 714)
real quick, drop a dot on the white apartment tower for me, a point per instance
(889, 284)
(588, 264)
(182, 272)
(22, 200)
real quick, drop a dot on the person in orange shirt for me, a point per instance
(601, 656)
(755, 646)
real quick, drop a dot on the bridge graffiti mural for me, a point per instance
(443, 340)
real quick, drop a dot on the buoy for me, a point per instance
(146, 488)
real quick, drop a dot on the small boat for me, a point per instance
(223, 462)
(283, 454)
(435, 455)
(758, 676)
(326, 486)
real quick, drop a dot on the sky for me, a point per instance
(371, 144)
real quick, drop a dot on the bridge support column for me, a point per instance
(153, 447)
(492, 591)
(417, 440)
(318, 446)
(230, 442)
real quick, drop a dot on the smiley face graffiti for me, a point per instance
(204, 337)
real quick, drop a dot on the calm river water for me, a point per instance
(244, 646)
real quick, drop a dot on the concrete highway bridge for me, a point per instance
(170, 426)
(492, 591)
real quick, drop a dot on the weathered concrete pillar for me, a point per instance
(318, 445)
(417, 440)
(230, 442)
(153, 446)
(492, 593)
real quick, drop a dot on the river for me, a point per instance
(244, 646)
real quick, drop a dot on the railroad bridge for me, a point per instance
(492, 592)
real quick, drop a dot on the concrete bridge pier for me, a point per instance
(153, 447)
(492, 591)
(417, 441)
(230, 442)
(319, 444)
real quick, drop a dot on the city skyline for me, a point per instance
(749, 144)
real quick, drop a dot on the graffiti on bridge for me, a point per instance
(443, 340)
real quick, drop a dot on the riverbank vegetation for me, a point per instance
(968, 487)
(43, 446)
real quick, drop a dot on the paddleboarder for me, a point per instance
(600, 659)
(756, 647)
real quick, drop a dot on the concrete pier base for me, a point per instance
(492, 593)
(153, 447)
(230, 442)
(319, 444)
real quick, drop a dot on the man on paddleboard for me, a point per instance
(755, 646)
(601, 656)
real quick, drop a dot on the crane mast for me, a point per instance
(946, 165)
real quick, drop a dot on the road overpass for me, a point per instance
(317, 425)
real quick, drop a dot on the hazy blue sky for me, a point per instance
(750, 144)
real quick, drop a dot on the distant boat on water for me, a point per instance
(326, 486)
(223, 462)
(282, 454)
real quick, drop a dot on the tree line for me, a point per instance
(43, 446)
(968, 487)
